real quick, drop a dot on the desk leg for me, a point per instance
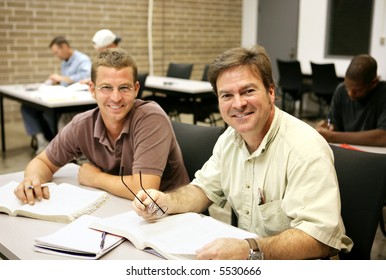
(2, 124)
(56, 119)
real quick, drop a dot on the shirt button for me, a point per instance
(248, 186)
(247, 212)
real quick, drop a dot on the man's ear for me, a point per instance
(137, 87)
(91, 89)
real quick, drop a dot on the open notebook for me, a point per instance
(77, 240)
(66, 203)
(173, 237)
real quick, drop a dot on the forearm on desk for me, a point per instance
(114, 185)
(40, 167)
(187, 198)
(374, 137)
(292, 244)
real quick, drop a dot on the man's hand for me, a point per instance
(87, 174)
(30, 189)
(55, 78)
(145, 207)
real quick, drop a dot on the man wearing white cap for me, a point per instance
(104, 39)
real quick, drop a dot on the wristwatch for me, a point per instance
(255, 253)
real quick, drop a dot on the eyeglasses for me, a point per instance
(123, 89)
(153, 208)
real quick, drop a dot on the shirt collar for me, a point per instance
(100, 128)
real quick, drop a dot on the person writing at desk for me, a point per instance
(122, 136)
(358, 109)
(75, 67)
(267, 166)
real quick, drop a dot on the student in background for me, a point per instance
(267, 165)
(358, 109)
(105, 39)
(122, 136)
(75, 66)
(102, 40)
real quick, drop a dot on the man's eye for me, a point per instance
(124, 89)
(106, 88)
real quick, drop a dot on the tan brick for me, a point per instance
(193, 31)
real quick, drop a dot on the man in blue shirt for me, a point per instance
(75, 67)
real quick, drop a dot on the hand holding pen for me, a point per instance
(31, 189)
(330, 126)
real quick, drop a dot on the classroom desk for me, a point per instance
(369, 149)
(57, 99)
(17, 233)
(184, 88)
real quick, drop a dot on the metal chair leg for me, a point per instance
(382, 224)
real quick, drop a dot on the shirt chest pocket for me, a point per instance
(273, 219)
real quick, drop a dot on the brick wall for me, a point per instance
(185, 31)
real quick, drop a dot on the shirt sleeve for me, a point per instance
(153, 137)
(381, 124)
(335, 114)
(310, 199)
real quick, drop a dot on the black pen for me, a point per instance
(103, 240)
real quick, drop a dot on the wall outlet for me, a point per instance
(382, 40)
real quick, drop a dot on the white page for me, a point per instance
(180, 234)
(65, 199)
(142, 230)
(186, 239)
(8, 198)
(78, 237)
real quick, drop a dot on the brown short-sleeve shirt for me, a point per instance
(147, 143)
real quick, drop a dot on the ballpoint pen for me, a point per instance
(102, 245)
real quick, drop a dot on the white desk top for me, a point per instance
(178, 85)
(50, 96)
(369, 149)
(17, 233)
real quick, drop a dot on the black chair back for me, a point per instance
(324, 79)
(291, 81)
(324, 83)
(362, 185)
(290, 77)
(205, 73)
(141, 79)
(180, 70)
(196, 143)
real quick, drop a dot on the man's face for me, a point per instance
(62, 52)
(115, 92)
(357, 90)
(244, 102)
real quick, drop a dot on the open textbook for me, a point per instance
(173, 237)
(66, 203)
(49, 93)
(77, 240)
